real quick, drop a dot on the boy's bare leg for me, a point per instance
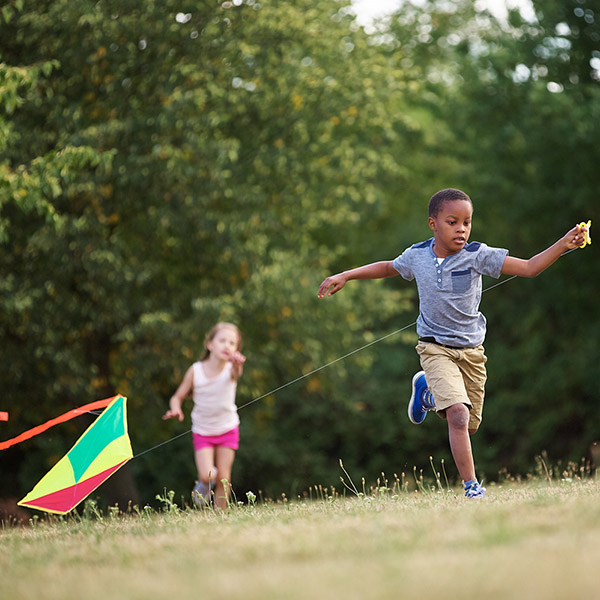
(460, 442)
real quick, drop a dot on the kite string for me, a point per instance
(287, 384)
(329, 364)
(161, 444)
(326, 365)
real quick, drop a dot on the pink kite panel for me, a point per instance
(68, 498)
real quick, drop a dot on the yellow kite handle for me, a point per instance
(588, 238)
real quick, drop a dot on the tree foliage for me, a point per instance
(198, 162)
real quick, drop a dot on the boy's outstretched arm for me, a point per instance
(377, 270)
(538, 263)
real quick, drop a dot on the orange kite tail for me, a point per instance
(61, 419)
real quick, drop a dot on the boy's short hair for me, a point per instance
(439, 198)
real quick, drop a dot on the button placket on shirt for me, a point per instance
(438, 269)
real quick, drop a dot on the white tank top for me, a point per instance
(214, 410)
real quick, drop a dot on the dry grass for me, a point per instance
(527, 540)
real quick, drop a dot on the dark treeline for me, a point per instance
(168, 164)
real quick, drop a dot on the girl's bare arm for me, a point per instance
(185, 387)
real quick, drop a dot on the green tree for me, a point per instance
(191, 162)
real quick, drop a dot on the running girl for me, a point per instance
(215, 422)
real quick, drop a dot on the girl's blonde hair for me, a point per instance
(236, 371)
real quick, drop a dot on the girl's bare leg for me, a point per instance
(224, 464)
(205, 463)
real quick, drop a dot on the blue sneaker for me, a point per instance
(421, 399)
(473, 489)
(201, 494)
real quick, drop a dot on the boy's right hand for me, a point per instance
(332, 284)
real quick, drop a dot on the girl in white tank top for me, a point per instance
(213, 381)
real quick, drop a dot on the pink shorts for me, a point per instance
(229, 439)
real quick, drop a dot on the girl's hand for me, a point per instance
(173, 413)
(237, 358)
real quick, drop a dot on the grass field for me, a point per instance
(538, 539)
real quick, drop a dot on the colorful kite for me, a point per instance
(98, 453)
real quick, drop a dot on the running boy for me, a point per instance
(451, 329)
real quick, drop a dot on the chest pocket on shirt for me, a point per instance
(461, 281)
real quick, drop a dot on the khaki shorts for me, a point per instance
(455, 377)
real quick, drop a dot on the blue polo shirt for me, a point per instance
(450, 292)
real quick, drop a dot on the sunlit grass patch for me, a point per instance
(398, 537)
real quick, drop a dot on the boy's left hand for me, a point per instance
(575, 237)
